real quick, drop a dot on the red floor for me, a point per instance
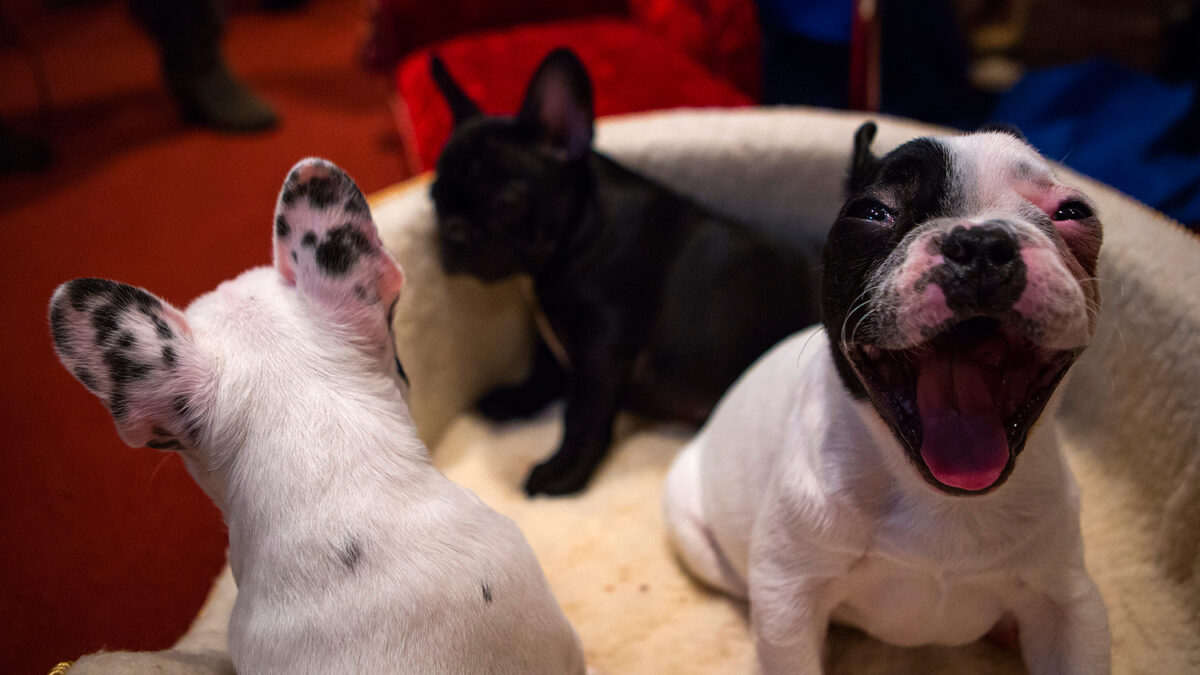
(104, 546)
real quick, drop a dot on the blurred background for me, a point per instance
(146, 142)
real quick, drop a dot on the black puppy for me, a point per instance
(658, 304)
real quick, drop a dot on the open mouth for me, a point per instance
(962, 402)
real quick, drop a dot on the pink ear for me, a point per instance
(327, 245)
(136, 354)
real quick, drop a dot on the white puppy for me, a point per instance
(867, 471)
(282, 393)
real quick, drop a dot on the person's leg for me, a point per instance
(188, 36)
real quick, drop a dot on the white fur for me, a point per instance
(339, 460)
(351, 552)
(797, 498)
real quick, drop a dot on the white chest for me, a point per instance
(906, 606)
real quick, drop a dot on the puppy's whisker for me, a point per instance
(859, 324)
(157, 468)
(805, 345)
(855, 308)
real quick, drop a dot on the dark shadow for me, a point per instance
(337, 89)
(90, 133)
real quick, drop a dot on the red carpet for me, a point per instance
(106, 546)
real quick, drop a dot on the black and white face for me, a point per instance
(959, 285)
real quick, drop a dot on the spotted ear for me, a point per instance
(136, 354)
(864, 163)
(327, 245)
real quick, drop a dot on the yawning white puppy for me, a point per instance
(887, 469)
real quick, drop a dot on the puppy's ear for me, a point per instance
(135, 352)
(461, 106)
(558, 105)
(864, 163)
(1004, 128)
(327, 245)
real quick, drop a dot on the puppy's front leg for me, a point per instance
(593, 395)
(1065, 632)
(791, 619)
(546, 382)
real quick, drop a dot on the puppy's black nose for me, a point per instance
(986, 272)
(987, 245)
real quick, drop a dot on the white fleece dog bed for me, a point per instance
(1130, 421)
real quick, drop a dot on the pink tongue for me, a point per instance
(962, 436)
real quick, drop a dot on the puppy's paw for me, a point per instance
(558, 476)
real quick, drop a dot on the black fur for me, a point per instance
(659, 303)
(282, 229)
(105, 322)
(341, 248)
(487, 594)
(164, 330)
(321, 191)
(863, 163)
(461, 106)
(918, 176)
(356, 204)
(350, 554)
(122, 371)
(192, 427)
(80, 291)
(85, 376)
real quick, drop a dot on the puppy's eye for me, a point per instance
(870, 210)
(1074, 210)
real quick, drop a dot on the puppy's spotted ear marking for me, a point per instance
(350, 553)
(342, 246)
(461, 106)
(863, 164)
(135, 353)
(330, 248)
